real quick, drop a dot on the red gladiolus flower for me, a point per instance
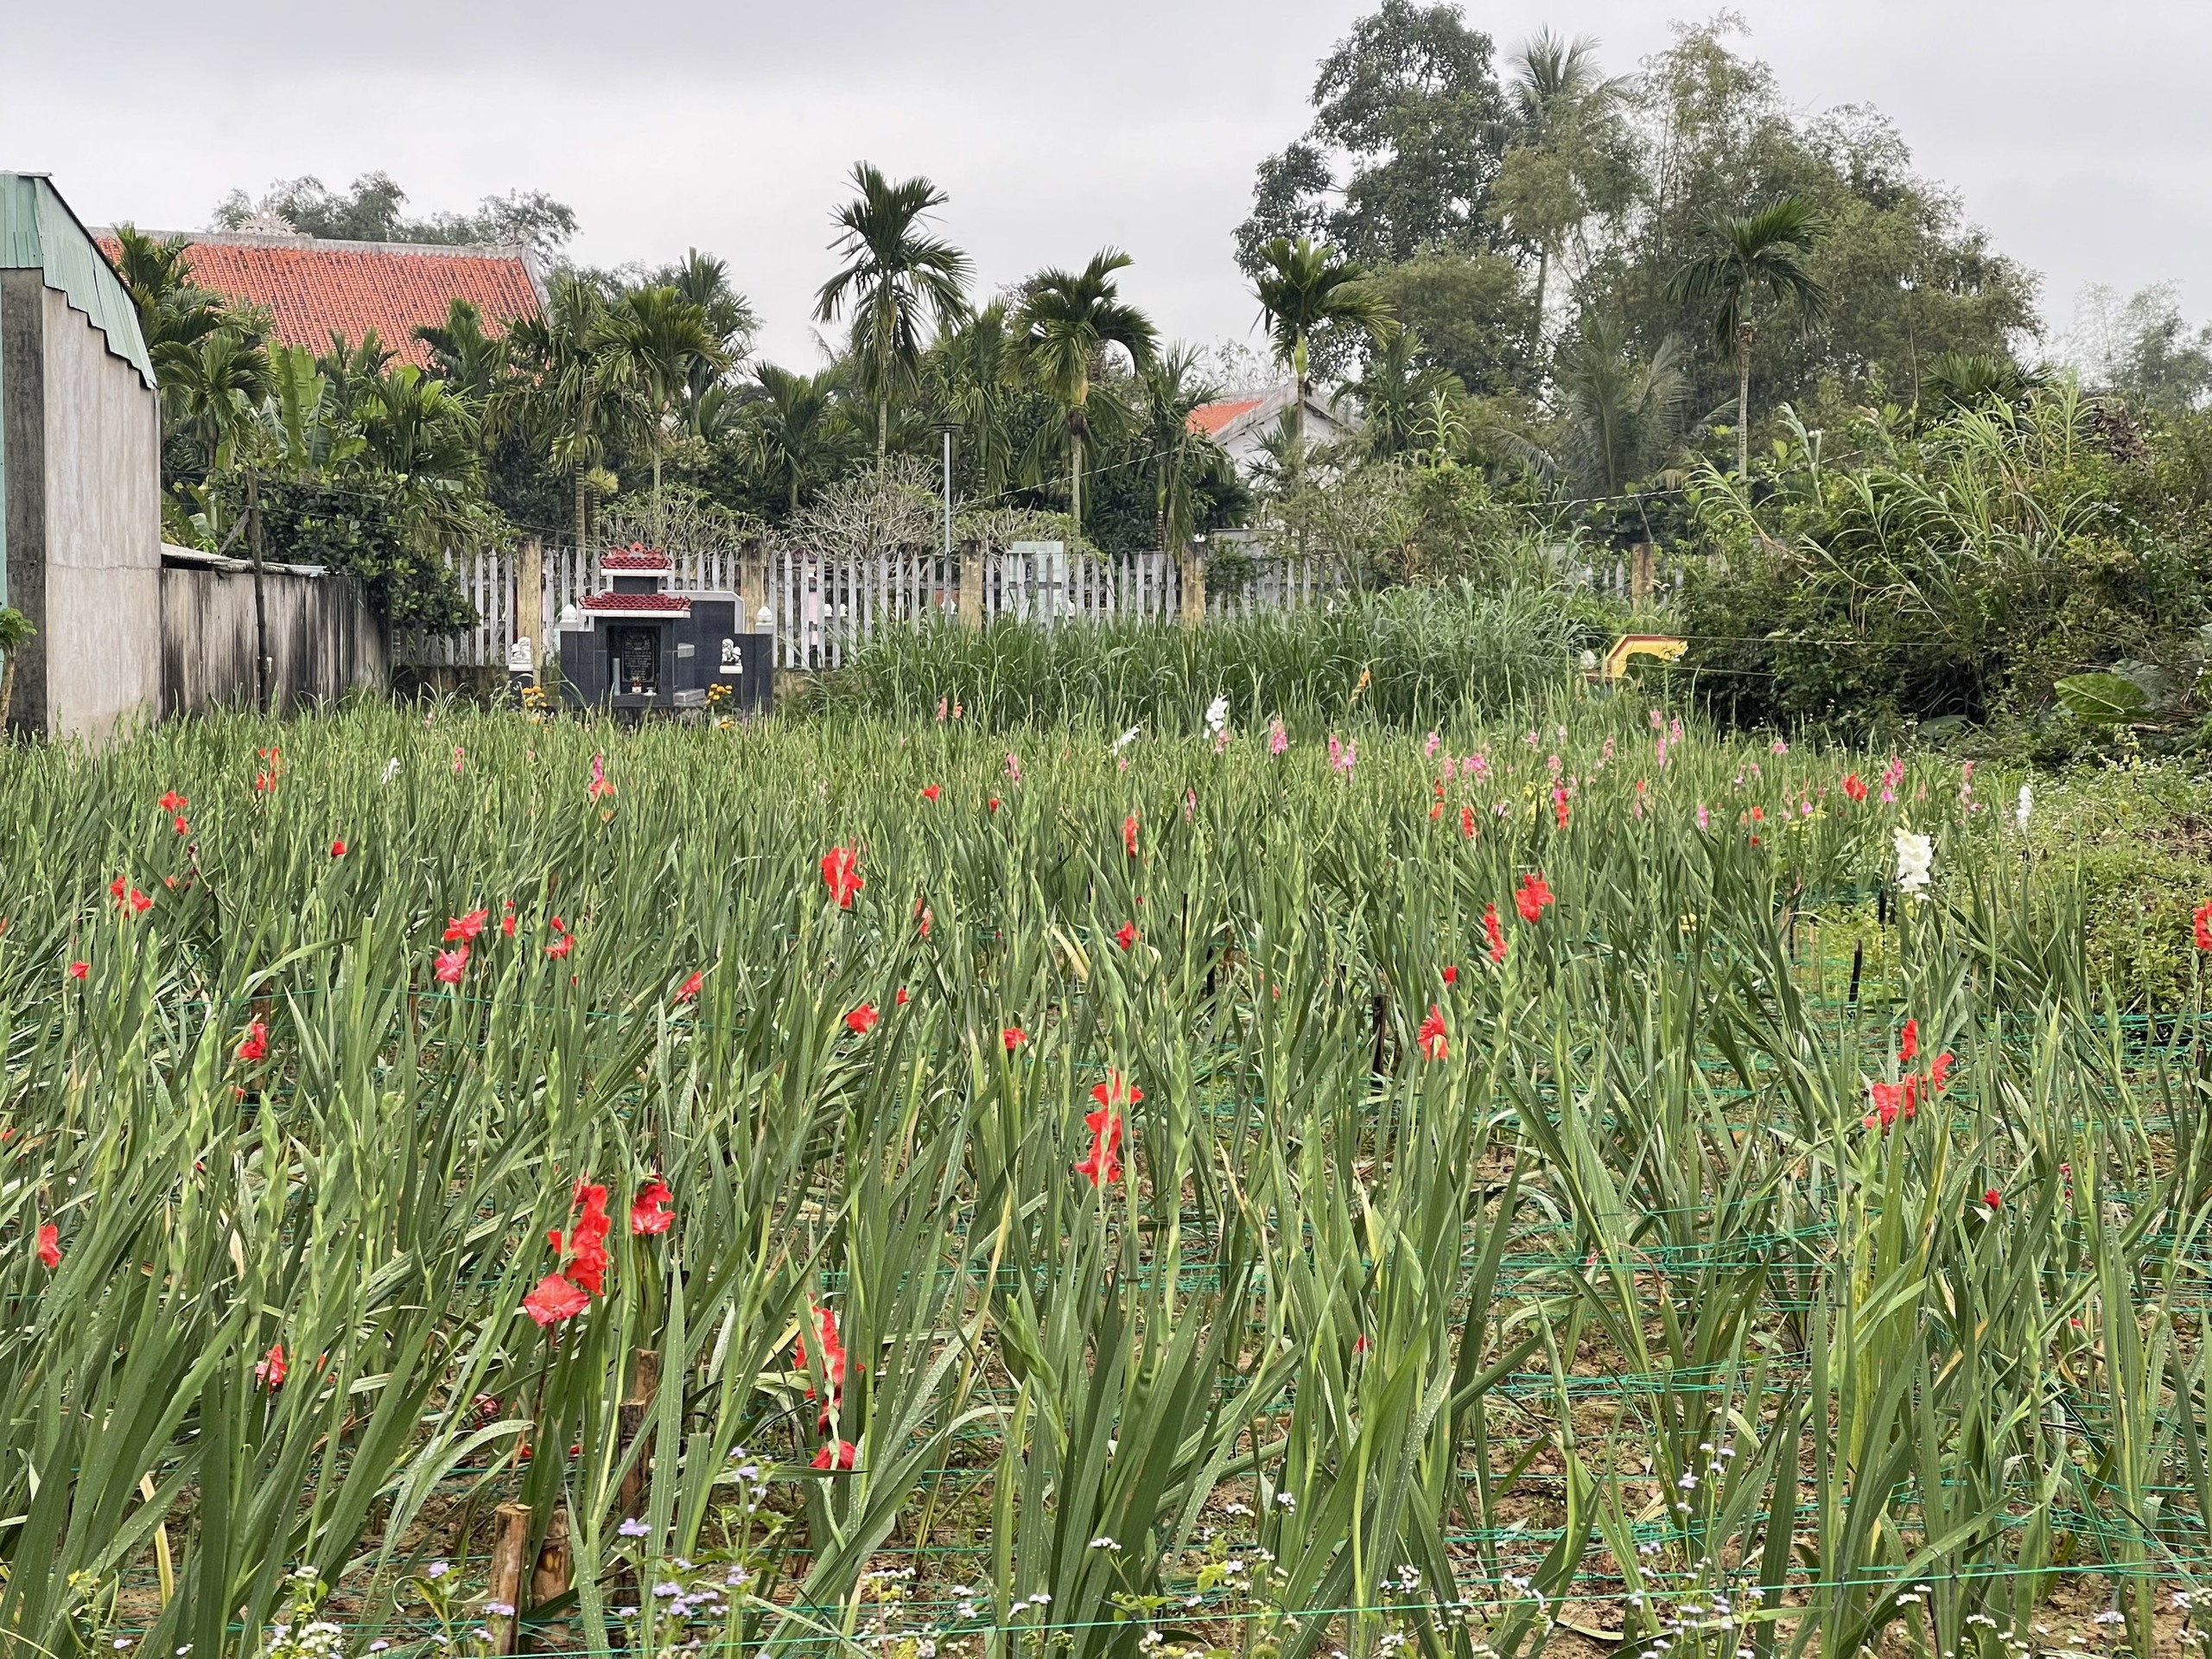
(256, 1046)
(689, 990)
(649, 1213)
(272, 1369)
(841, 873)
(588, 1259)
(1994, 1199)
(835, 1454)
(1467, 822)
(1889, 1099)
(139, 903)
(49, 1245)
(1013, 1036)
(180, 826)
(1104, 1163)
(1852, 787)
(1126, 935)
(2204, 927)
(263, 782)
(901, 998)
(599, 786)
(924, 917)
(557, 925)
(994, 803)
(1534, 893)
(1558, 804)
(338, 848)
(1939, 1073)
(930, 794)
(833, 1355)
(1494, 933)
(79, 970)
(465, 928)
(451, 964)
(1129, 835)
(862, 1020)
(554, 1301)
(172, 803)
(1909, 1042)
(1434, 1044)
(561, 947)
(1451, 976)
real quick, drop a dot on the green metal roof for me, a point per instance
(39, 232)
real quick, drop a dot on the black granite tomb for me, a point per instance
(641, 646)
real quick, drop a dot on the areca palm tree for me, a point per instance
(1737, 258)
(1062, 330)
(560, 399)
(1305, 286)
(1182, 463)
(703, 279)
(894, 275)
(469, 359)
(796, 434)
(219, 385)
(651, 342)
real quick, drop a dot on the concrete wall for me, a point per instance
(323, 635)
(83, 518)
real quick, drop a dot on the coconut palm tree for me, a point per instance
(1305, 286)
(972, 373)
(1618, 414)
(651, 342)
(894, 276)
(1560, 109)
(796, 434)
(1739, 257)
(1062, 331)
(560, 397)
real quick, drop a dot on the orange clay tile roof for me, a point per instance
(315, 287)
(635, 558)
(646, 604)
(1209, 418)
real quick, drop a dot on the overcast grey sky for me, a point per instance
(2079, 134)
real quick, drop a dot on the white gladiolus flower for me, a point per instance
(1915, 861)
(1125, 739)
(2027, 804)
(1217, 716)
(392, 769)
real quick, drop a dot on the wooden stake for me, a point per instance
(644, 1384)
(552, 1576)
(505, 1586)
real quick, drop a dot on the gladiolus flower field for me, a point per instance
(868, 1193)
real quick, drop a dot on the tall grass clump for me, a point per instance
(1405, 656)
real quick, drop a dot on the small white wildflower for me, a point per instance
(1126, 739)
(1103, 1542)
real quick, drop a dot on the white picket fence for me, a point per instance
(824, 606)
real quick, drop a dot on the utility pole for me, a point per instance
(260, 604)
(948, 428)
